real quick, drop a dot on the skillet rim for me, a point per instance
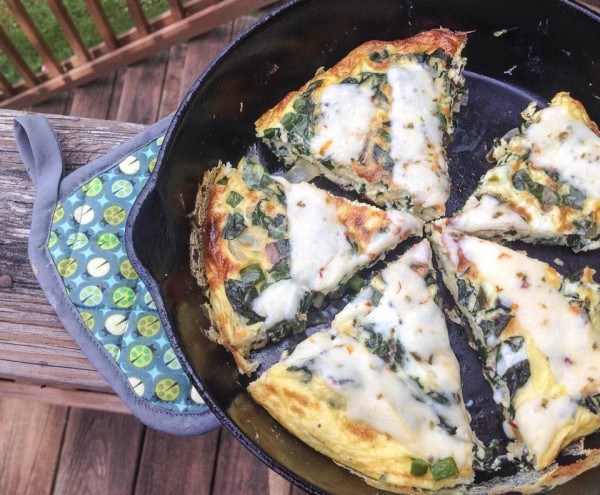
(153, 286)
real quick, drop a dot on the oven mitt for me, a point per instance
(79, 254)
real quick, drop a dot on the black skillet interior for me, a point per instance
(517, 52)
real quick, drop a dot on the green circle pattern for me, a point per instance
(135, 339)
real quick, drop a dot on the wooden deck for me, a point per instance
(52, 448)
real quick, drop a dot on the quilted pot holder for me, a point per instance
(80, 256)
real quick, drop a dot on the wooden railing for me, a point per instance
(180, 22)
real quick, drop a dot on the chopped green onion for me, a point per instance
(444, 468)
(252, 274)
(419, 467)
(356, 283)
(234, 199)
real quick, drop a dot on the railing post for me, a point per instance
(33, 35)
(139, 18)
(14, 58)
(68, 28)
(102, 24)
(177, 9)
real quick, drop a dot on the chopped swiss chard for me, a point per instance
(234, 226)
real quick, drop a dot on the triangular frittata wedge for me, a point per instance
(380, 392)
(377, 121)
(538, 336)
(545, 187)
(263, 248)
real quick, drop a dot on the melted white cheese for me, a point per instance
(488, 213)
(539, 419)
(379, 398)
(509, 358)
(568, 146)
(279, 302)
(407, 313)
(321, 255)
(416, 135)
(346, 112)
(566, 337)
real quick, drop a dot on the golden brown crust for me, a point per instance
(311, 411)
(576, 109)
(426, 42)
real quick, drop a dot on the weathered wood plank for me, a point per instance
(99, 453)
(115, 100)
(297, 491)
(53, 66)
(69, 30)
(33, 343)
(30, 440)
(142, 87)
(56, 105)
(61, 397)
(200, 52)
(187, 464)
(249, 474)
(278, 485)
(93, 100)
(172, 84)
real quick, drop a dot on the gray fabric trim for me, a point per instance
(40, 152)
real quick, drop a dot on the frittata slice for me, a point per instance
(377, 121)
(349, 404)
(545, 187)
(538, 336)
(264, 247)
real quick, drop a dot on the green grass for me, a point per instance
(41, 14)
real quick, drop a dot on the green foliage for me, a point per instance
(42, 16)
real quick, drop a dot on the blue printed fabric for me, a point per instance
(87, 245)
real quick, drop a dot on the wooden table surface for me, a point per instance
(65, 441)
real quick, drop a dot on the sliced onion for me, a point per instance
(302, 171)
(249, 242)
(237, 251)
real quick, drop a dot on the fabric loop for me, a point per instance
(40, 151)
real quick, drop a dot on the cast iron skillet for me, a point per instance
(548, 46)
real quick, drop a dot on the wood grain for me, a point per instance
(34, 346)
(96, 401)
(170, 464)
(238, 471)
(169, 101)
(30, 440)
(200, 52)
(93, 100)
(99, 454)
(142, 88)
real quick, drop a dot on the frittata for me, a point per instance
(538, 336)
(545, 187)
(380, 392)
(377, 122)
(263, 247)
